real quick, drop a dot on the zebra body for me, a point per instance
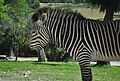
(82, 38)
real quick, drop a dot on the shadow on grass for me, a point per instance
(49, 63)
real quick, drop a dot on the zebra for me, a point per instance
(84, 39)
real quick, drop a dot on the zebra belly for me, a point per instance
(97, 56)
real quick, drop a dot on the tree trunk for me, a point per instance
(108, 16)
(17, 52)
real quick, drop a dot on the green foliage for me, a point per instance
(13, 18)
(56, 1)
(5, 41)
(33, 4)
(17, 12)
(55, 54)
(3, 11)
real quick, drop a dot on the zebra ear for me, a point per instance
(44, 17)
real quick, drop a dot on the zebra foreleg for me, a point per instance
(85, 70)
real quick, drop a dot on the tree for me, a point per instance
(109, 7)
(15, 26)
(5, 40)
(33, 4)
(16, 12)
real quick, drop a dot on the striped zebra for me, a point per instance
(84, 39)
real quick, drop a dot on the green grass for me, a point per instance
(50, 71)
(54, 71)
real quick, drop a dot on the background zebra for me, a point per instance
(82, 38)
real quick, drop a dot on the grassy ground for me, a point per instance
(53, 71)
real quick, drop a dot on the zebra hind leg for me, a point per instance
(85, 70)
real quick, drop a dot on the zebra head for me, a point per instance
(40, 35)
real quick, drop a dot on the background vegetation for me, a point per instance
(15, 25)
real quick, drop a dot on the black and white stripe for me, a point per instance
(82, 38)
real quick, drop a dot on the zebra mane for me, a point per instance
(39, 12)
